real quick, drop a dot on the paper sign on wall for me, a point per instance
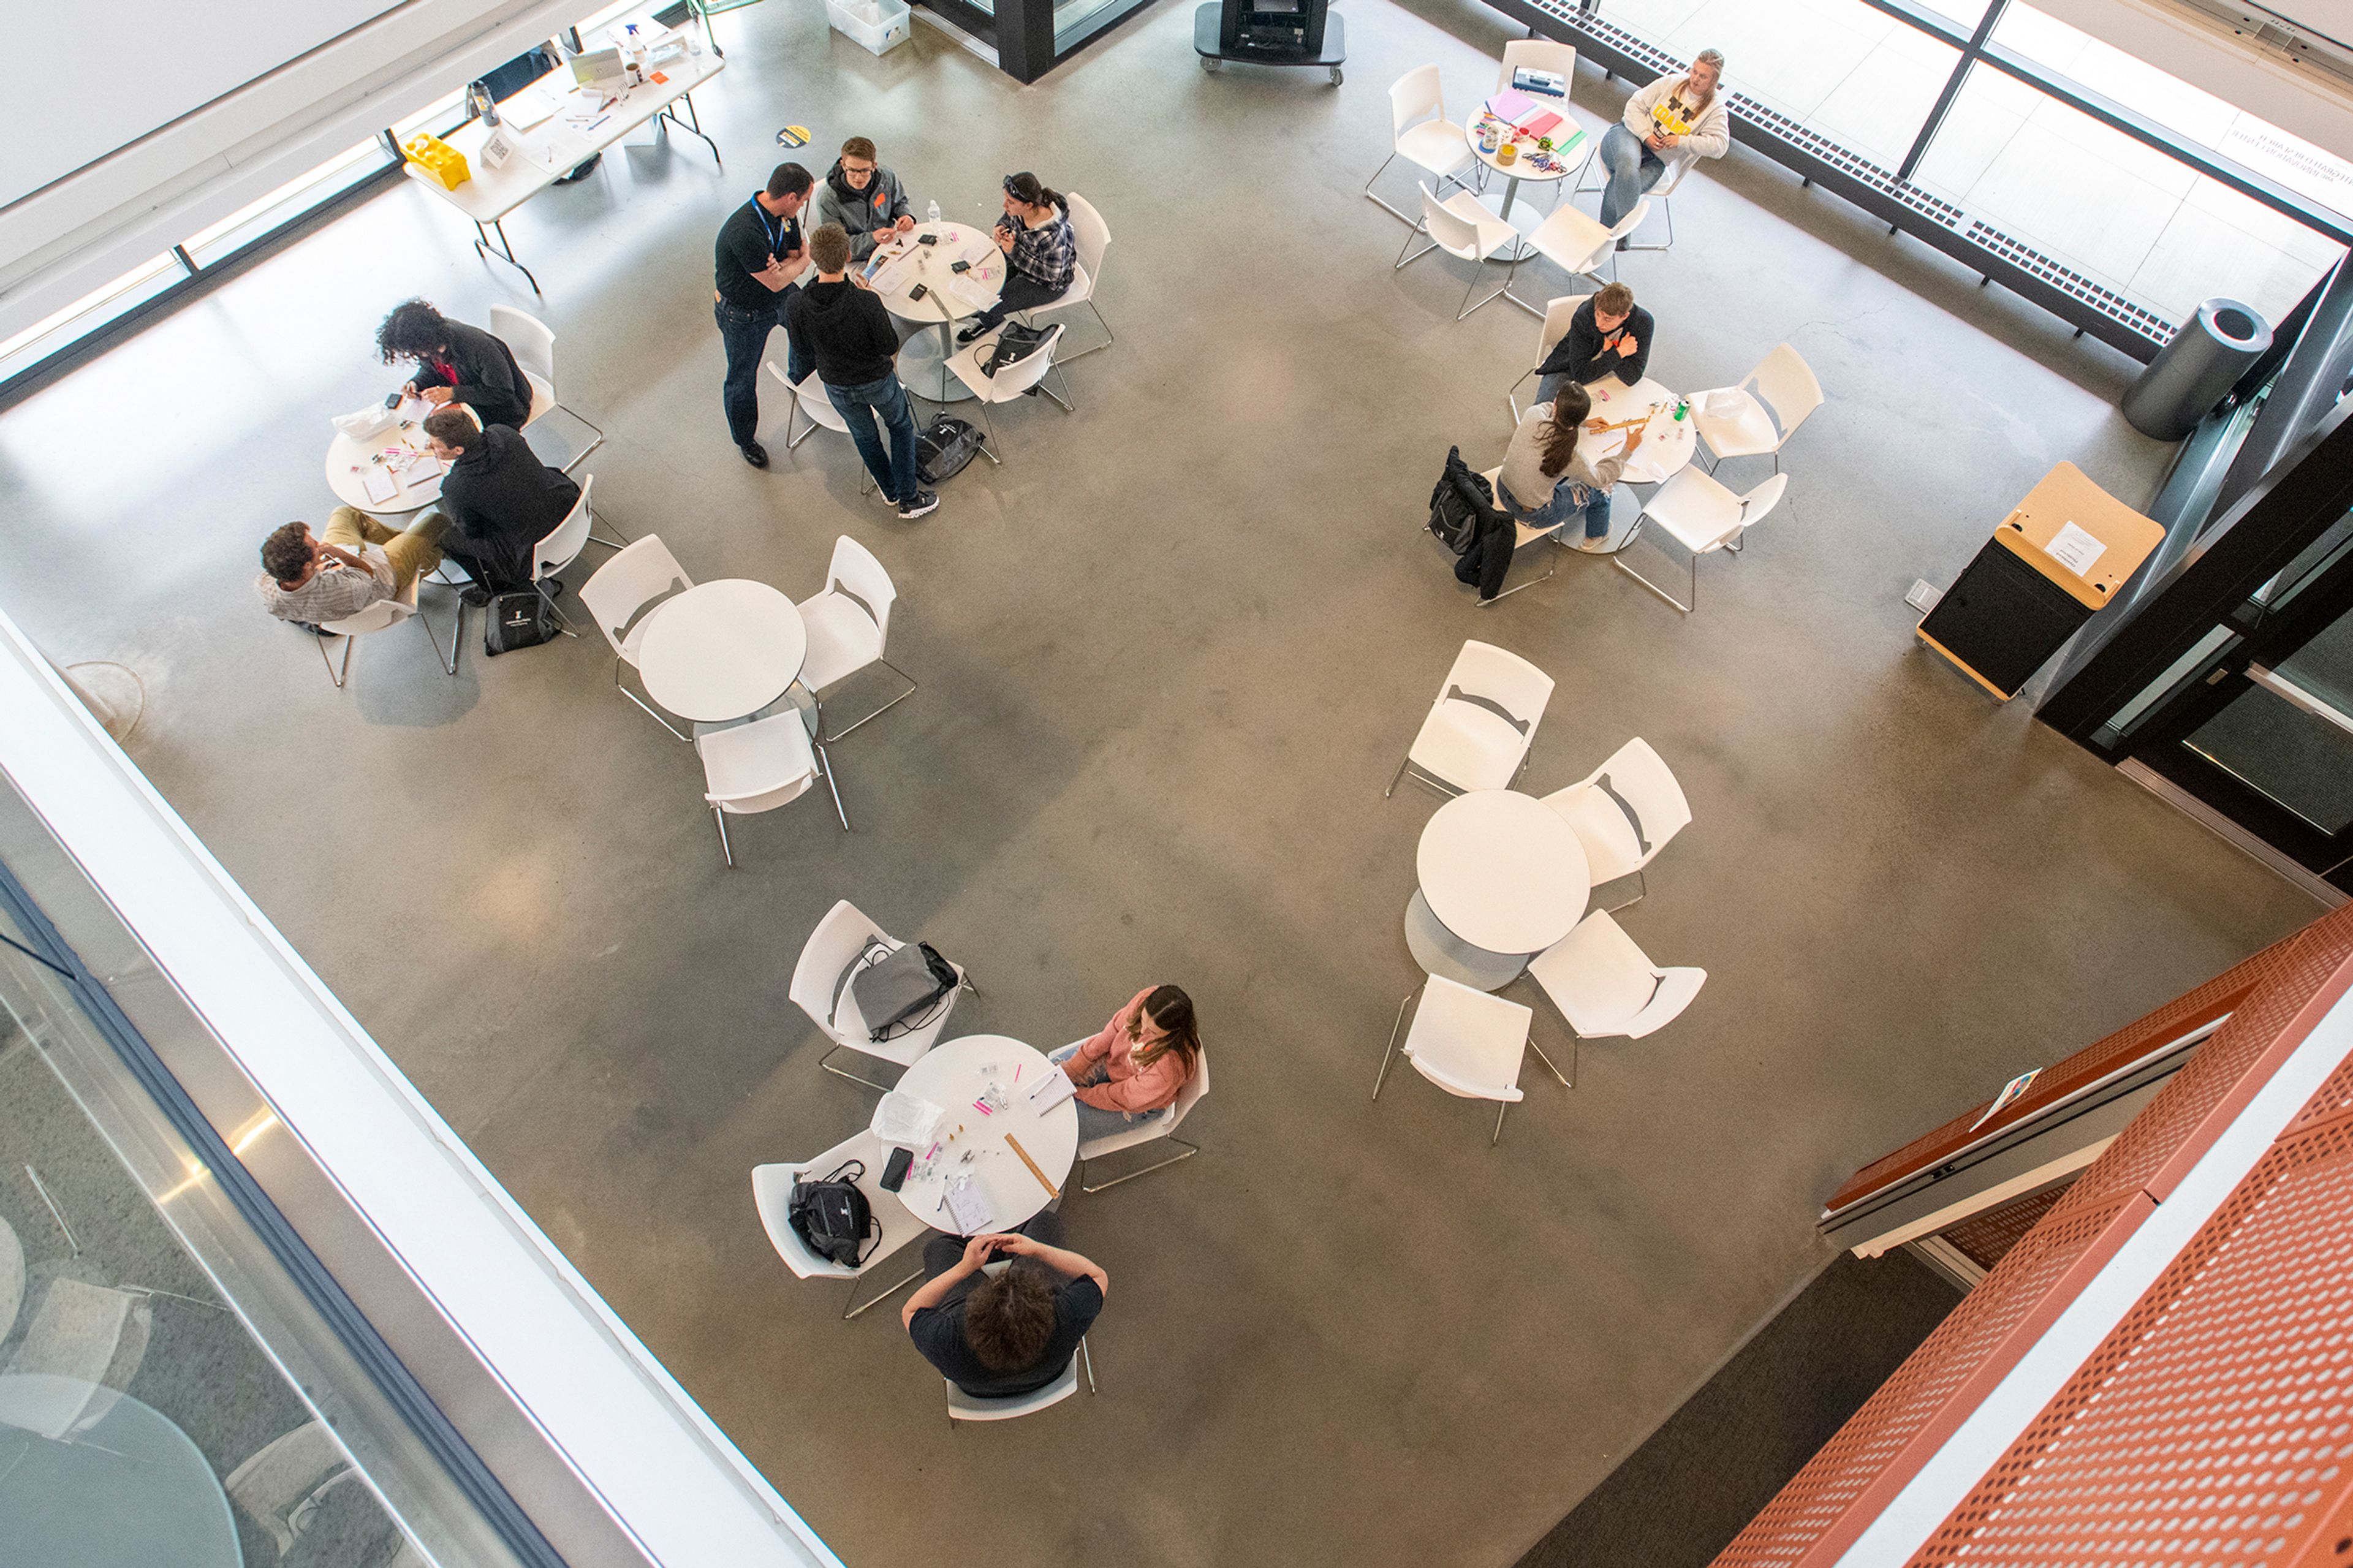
(2009, 1092)
(2075, 549)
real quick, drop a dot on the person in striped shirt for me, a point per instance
(314, 580)
(1041, 254)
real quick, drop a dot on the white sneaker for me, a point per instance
(1595, 546)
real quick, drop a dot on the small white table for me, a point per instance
(131, 1489)
(922, 362)
(721, 650)
(1503, 876)
(1569, 148)
(1668, 442)
(554, 147)
(349, 461)
(951, 1074)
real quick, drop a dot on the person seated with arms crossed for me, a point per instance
(1041, 253)
(1013, 1331)
(1545, 460)
(865, 198)
(1608, 336)
(758, 261)
(455, 364)
(1681, 117)
(857, 349)
(1130, 1070)
(502, 501)
(313, 582)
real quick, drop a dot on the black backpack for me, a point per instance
(523, 618)
(831, 1217)
(944, 446)
(1453, 519)
(1015, 343)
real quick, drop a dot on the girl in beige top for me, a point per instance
(1547, 478)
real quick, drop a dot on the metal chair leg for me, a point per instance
(1108, 337)
(1550, 568)
(1501, 1107)
(826, 763)
(1190, 1150)
(1088, 1356)
(1564, 1083)
(1062, 400)
(1686, 608)
(649, 707)
(885, 708)
(563, 621)
(338, 677)
(1467, 307)
(826, 1062)
(851, 1311)
(1383, 1073)
(448, 661)
(721, 818)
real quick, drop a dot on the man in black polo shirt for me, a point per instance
(759, 260)
(1011, 1332)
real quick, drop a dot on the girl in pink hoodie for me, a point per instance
(1131, 1069)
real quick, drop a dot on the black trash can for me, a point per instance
(2190, 374)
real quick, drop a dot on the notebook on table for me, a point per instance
(1540, 125)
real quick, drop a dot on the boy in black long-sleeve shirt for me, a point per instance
(838, 320)
(1609, 335)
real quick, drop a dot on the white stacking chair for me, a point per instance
(533, 345)
(621, 598)
(963, 1406)
(1624, 812)
(388, 612)
(1524, 534)
(1421, 133)
(1542, 54)
(1760, 414)
(1460, 227)
(1163, 1125)
(563, 546)
(759, 766)
(1014, 381)
(84, 1345)
(1467, 1043)
(281, 1483)
(1093, 238)
(848, 624)
(1577, 243)
(820, 989)
(1557, 312)
(1605, 985)
(1704, 517)
(1657, 196)
(810, 403)
(1478, 732)
(772, 1191)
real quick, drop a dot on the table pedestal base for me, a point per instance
(1439, 951)
(923, 366)
(1522, 215)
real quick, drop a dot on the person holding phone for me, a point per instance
(1040, 252)
(1013, 1331)
(865, 198)
(759, 262)
(455, 364)
(1608, 336)
(1674, 117)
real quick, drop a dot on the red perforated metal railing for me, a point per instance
(2272, 999)
(1985, 1239)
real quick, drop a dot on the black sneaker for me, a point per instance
(756, 454)
(924, 505)
(474, 594)
(966, 334)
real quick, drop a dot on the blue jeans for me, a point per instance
(1560, 507)
(745, 335)
(1094, 1122)
(893, 470)
(1634, 168)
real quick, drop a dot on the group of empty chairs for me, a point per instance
(812, 410)
(1477, 736)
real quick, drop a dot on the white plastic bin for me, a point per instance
(888, 28)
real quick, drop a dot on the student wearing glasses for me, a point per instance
(865, 198)
(1040, 252)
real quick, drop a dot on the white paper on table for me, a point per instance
(968, 1206)
(965, 292)
(418, 469)
(377, 485)
(1051, 1090)
(893, 275)
(2075, 549)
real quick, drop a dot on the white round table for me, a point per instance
(922, 362)
(1668, 442)
(131, 1492)
(951, 1074)
(1570, 145)
(348, 460)
(1503, 877)
(721, 650)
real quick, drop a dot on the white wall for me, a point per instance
(101, 212)
(2181, 42)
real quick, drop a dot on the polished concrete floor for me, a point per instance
(1170, 654)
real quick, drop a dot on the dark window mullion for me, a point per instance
(1971, 50)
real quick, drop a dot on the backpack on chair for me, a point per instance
(943, 447)
(1455, 502)
(831, 1217)
(1015, 343)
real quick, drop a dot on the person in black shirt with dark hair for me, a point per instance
(455, 364)
(502, 501)
(856, 350)
(1609, 335)
(997, 1335)
(759, 262)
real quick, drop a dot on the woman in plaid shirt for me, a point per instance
(1040, 252)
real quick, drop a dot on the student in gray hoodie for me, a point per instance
(865, 198)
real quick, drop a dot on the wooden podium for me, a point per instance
(2054, 562)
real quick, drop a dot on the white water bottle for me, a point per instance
(932, 212)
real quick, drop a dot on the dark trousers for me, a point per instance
(894, 468)
(745, 335)
(1022, 292)
(943, 1252)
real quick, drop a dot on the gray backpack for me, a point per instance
(898, 990)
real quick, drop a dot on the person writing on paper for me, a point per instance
(312, 581)
(1131, 1069)
(1013, 1331)
(502, 501)
(1608, 336)
(455, 364)
(1545, 460)
(865, 198)
(1674, 117)
(1040, 252)
(856, 351)
(758, 263)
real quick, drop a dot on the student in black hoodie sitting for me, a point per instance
(502, 501)
(838, 319)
